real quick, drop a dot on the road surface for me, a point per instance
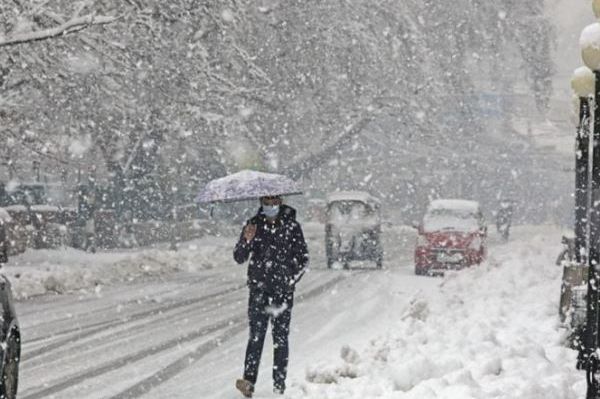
(184, 335)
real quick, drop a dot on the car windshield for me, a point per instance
(450, 220)
(348, 211)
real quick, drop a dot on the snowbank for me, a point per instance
(489, 332)
(64, 270)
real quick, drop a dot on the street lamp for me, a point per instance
(590, 53)
(590, 46)
(583, 84)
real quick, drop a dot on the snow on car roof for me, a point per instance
(455, 204)
(16, 208)
(361, 196)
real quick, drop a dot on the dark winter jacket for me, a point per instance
(278, 252)
(504, 216)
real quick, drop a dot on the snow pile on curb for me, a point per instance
(489, 332)
(63, 270)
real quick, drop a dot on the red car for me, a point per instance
(452, 236)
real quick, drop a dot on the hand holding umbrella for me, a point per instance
(249, 232)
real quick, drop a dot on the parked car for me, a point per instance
(10, 336)
(353, 228)
(452, 236)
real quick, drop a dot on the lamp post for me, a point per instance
(590, 53)
(583, 84)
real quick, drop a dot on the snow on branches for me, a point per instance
(72, 25)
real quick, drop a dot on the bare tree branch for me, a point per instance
(305, 166)
(72, 25)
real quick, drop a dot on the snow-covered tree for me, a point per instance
(186, 90)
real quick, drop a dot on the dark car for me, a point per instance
(10, 336)
(353, 229)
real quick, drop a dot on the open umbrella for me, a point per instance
(247, 184)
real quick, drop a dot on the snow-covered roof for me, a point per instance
(16, 208)
(4, 215)
(454, 204)
(44, 208)
(351, 196)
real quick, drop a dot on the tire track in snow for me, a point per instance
(99, 310)
(146, 385)
(110, 310)
(236, 325)
(100, 327)
(128, 359)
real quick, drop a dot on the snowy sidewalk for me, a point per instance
(487, 332)
(64, 270)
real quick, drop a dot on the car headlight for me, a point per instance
(422, 241)
(475, 243)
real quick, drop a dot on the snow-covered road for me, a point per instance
(489, 332)
(131, 338)
(183, 335)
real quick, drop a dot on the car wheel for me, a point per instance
(10, 371)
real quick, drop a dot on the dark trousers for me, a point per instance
(263, 307)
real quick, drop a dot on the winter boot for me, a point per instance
(245, 387)
(279, 389)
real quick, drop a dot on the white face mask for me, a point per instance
(270, 211)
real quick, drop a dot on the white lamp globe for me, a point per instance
(583, 82)
(589, 42)
(596, 7)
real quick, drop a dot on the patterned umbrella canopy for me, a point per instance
(247, 184)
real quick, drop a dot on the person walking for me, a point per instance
(274, 242)
(504, 218)
(3, 242)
